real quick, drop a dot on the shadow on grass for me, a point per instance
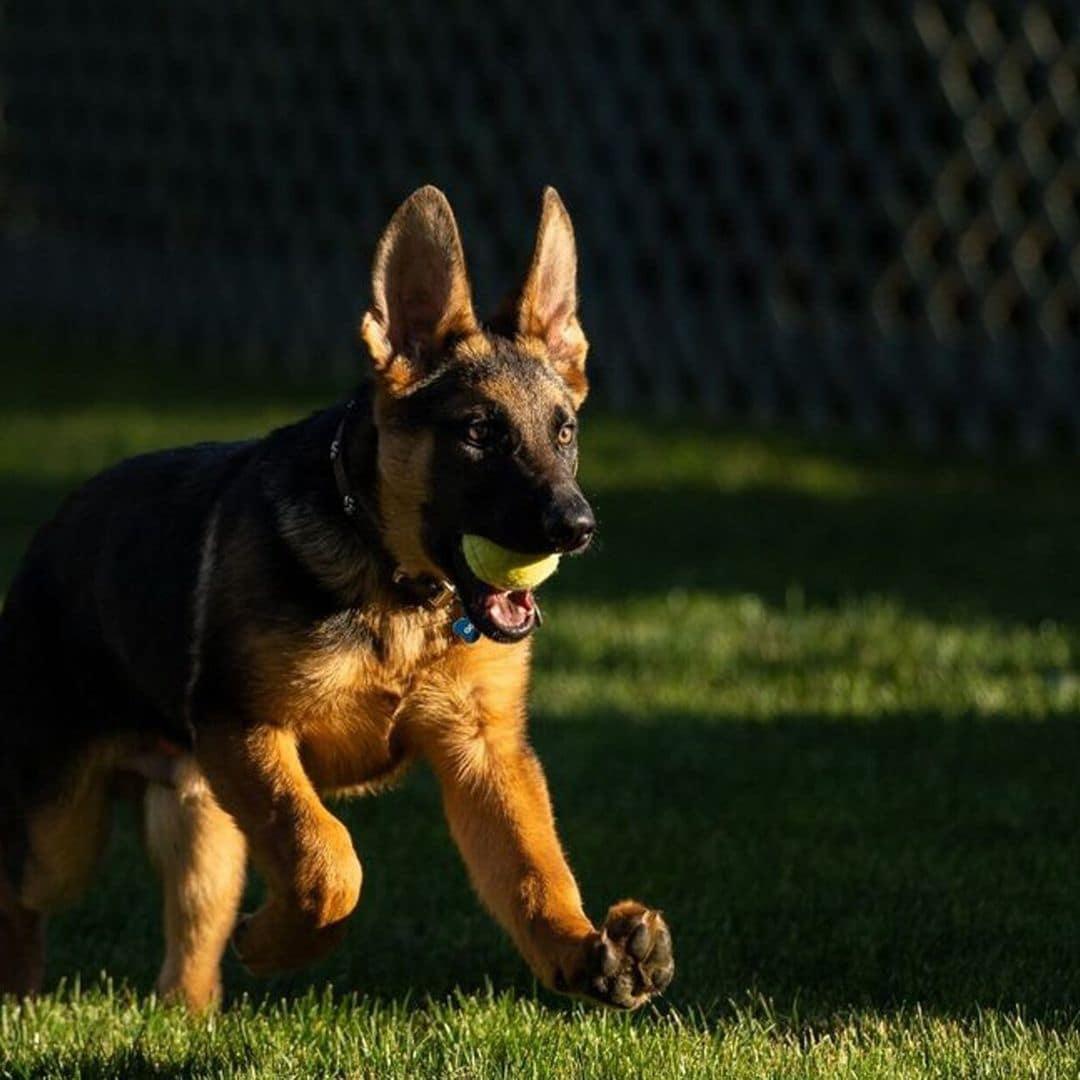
(830, 864)
(53, 371)
(1007, 555)
(25, 505)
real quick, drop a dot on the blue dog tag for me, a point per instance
(465, 630)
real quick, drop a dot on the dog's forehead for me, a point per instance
(514, 374)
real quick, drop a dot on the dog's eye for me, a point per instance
(567, 433)
(478, 433)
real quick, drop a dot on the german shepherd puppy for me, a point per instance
(247, 627)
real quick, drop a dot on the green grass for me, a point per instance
(817, 702)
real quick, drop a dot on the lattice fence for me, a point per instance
(857, 213)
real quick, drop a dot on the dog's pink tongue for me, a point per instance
(511, 609)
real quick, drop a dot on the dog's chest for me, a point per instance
(346, 686)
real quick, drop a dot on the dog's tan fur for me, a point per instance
(200, 856)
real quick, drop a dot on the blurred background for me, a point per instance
(815, 691)
(854, 215)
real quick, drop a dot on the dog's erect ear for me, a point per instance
(545, 308)
(419, 290)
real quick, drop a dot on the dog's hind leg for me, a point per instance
(58, 843)
(66, 836)
(22, 943)
(200, 855)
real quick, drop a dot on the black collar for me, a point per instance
(424, 589)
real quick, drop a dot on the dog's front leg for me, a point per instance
(497, 804)
(305, 854)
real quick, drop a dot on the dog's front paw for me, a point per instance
(630, 960)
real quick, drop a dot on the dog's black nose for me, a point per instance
(569, 523)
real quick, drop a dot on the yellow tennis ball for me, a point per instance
(503, 568)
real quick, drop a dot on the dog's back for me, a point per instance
(94, 631)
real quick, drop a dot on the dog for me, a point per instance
(238, 630)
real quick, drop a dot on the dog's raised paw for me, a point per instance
(631, 959)
(270, 941)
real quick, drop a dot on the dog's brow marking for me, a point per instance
(200, 599)
(430, 378)
(474, 351)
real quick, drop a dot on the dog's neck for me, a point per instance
(361, 510)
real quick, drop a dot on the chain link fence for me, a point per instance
(862, 214)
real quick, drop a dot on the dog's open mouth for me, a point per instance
(504, 615)
(511, 611)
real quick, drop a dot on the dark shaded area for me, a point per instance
(49, 369)
(25, 504)
(843, 214)
(954, 552)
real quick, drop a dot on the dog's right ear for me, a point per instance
(545, 307)
(420, 292)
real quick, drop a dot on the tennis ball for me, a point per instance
(503, 568)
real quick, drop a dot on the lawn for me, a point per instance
(817, 702)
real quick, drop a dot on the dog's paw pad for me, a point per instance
(631, 958)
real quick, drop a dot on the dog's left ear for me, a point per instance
(545, 308)
(420, 293)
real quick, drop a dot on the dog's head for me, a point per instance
(477, 423)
